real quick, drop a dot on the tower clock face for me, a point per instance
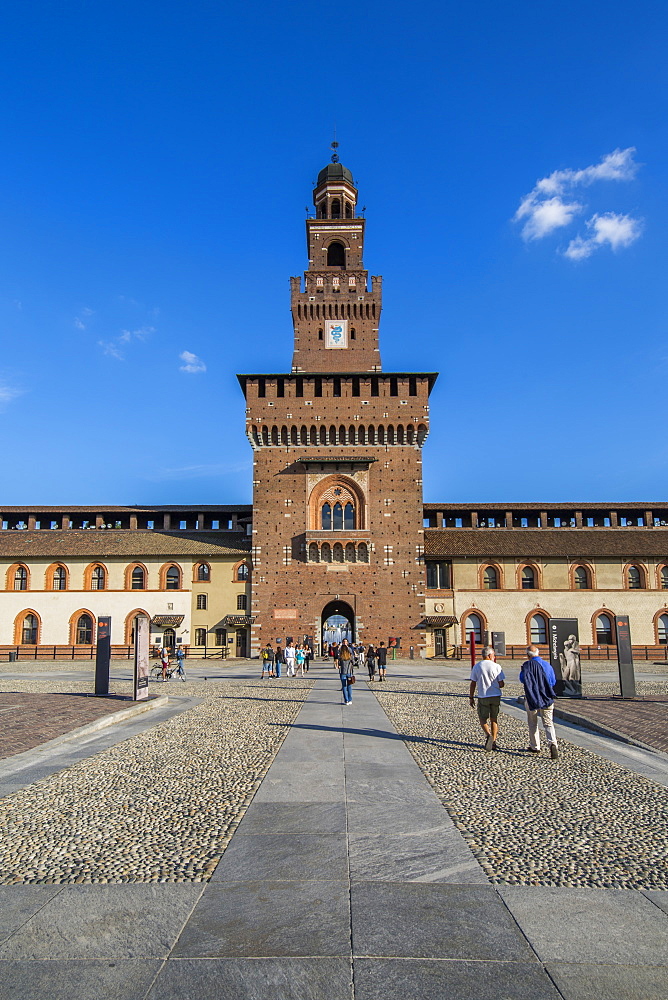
(336, 334)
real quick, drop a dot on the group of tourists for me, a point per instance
(295, 659)
(348, 656)
(538, 679)
(372, 657)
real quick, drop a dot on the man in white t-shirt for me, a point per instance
(488, 677)
(290, 654)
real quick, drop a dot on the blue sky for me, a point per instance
(157, 159)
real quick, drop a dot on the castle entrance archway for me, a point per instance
(338, 623)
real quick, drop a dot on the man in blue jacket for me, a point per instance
(538, 679)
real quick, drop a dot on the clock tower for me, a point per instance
(337, 446)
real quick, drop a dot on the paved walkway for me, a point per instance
(345, 879)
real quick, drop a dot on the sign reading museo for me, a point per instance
(336, 333)
(565, 656)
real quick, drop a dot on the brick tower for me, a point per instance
(337, 472)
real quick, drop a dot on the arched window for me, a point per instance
(243, 572)
(98, 578)
(362, 552)
(336, 255)
(421, 434)
(474, 627)
(326, 517)
(138, 579)
(581, 578)
(265, 436)
(173, 578)
(326, 553)
(284, 435)
(342, 435)
(323, 434)
(400, 434)
(604, 630)
(410, 434)
(371, 435)
(59, 578)
(313, 554)
(538, 629)
(323, 210)
(336, 208)
(204, 572)
(662, 630)
(337, 520)
(350, 552)
(361, 434)
(663, 578)
(349, 210)
(303, 435)
(352, 436)
(21, 578)
(490, 578)
(528, 578)
(332, 434)
(634, 578)
(313, 436)
(29, 630)
(349, 517)
(338, 553)
(390, 434)
(274, 434)
(381, 435)
(84, 631)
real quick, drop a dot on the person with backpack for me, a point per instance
(346, 672)
(371, 661)
(267, 661)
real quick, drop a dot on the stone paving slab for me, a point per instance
(111, 922)
(407, 979)
(255, 979)
(434, 921)
(609, 982)
(606, 926)
(284, 857)
(282, 817)
(28, 720)
(85, 980)
(19, 903)
(269, 919)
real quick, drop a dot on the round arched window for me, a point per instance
(662, 630)
(173, 578)
(84, 631)
(604, 630)
(29, 630)
(490, 579)
(581, 578)
(538, 629)
(138, 578)
(634, 577)
(528, 578)
(474, 628)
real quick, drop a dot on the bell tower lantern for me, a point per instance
(336, 310)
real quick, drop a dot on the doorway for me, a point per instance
(338, 623)
(241, 642)
(169, 639)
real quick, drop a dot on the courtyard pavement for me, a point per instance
(346, 878)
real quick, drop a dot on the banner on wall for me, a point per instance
(564, 642)
(142, 630)
(336, 333)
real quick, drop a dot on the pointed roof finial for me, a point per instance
(335, 146)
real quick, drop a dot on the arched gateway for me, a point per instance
(338, 622)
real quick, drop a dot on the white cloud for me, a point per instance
(110, 348)
(615, 230)
(199, 471)
(545, 208)
(191, 363)
(141, 334)
(84, 314)
(8, 393)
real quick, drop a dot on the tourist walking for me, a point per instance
(164, 659)
(278, 660)
(300, 657)
(538, 679)
(488, 677)
(290, 654)
(346, 672)
(179, 662)
(267, 661)
(381, 660)
(371, 661)
(361, 655)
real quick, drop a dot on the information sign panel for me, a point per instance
(565, 656)
(627, 679)
(142, 629)
(103, 656)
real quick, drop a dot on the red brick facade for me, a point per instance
(337, 435)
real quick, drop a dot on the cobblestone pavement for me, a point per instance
(159, 807)
(644, 720)
(579, 821)
(28, 720)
